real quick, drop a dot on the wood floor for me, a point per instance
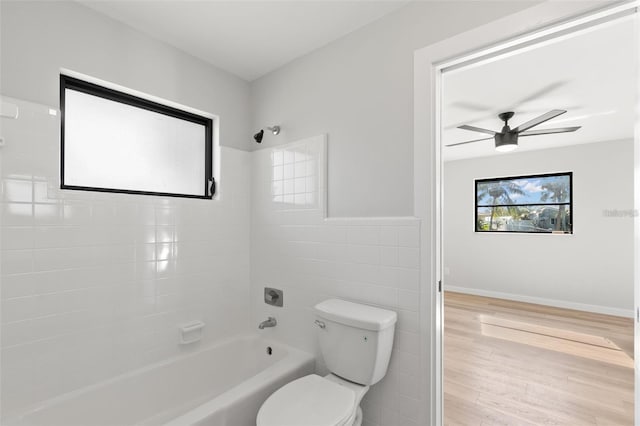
(512, 363)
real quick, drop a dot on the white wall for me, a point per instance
(359, 90)
(38, 38)
(373, 261)
(589, 270)
(95, 284)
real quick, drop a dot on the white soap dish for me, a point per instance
(191, 332)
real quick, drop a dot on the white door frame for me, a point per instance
(533, 25)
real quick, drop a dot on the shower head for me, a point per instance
(275, 130)
(258, 136)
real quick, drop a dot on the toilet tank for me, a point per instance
(355, 339)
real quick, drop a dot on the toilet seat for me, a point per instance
(310, 401)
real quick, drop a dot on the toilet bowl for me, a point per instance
(355, 341)
(314, 401)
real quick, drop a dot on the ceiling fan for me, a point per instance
(507, 139)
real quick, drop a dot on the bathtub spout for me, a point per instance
(270, 322)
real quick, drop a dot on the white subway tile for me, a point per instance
(57, 236)
(16, 261)
(103, 213)
(363, 254)
(389, 256)
(41, 192)
(145, 252)
(145, 270)
(76, 213)
(288, 172)
(409, 407)
(328, 251)
(402, 278)
(17, 214)
(17, 309)
(299, 185)
(409, 300)
(18, 190)
(112, 253)
(48, 214)
(164, 234)
(408, 321)
(409, 257)
(17, 285)
(333, 234)
(360, 272)
(363, 235)
(389, 417)
(165, 216)
(389, 236)
(408, 385)
(300, 169)
(62, 258)
(371, 412)
(16, 238)
(408, 342)
(405, 362)
(408, 236)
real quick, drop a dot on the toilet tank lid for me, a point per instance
(356, 314)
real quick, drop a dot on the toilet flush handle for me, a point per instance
(320, 324)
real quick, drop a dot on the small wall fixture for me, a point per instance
(273, 296)
(191, 332)
(273, 129)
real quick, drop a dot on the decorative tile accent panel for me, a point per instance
(373, 261)
(96, 284)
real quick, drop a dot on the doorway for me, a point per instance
(431, 63)
(537, 255)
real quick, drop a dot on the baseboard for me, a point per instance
(607, 310)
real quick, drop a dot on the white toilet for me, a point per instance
(356, 342)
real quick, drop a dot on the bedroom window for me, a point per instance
(112, 141)
(525, 204)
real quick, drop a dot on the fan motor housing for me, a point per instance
(507, 138)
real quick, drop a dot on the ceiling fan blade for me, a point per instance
(549, 131)
(466, 142)
(476, 129)
(539, 120)
(542, 91)
(471, 106)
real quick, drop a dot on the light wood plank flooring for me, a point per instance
(512, 363)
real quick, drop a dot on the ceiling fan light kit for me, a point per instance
(507, 139)
(506, 142)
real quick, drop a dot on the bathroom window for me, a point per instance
(525, 204)
(116, 142)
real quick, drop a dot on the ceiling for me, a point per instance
(591, 75)
(246, 38)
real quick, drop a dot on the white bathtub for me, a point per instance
(221, 385)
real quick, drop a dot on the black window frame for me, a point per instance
(540, 175)
(72, 83)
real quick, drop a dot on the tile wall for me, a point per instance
(93, 284)
(373, 261)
